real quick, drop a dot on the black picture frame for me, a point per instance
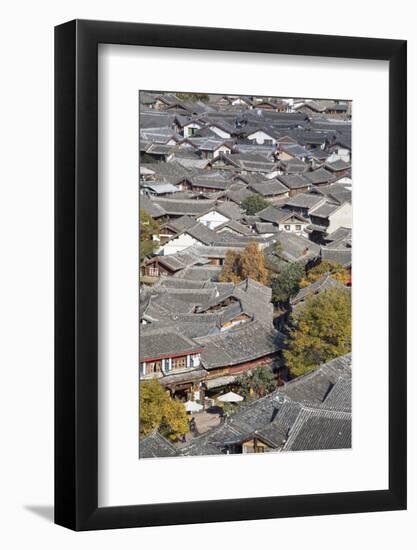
(76, 271)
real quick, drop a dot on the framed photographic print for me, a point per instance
(230, 275)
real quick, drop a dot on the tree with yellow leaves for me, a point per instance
(326, 267)
(321, 329)
(159, 411)
(231, 268)
(249, 263)
(149, 228)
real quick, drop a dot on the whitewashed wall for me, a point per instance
(176, 245)
(341, 218)
(212, 219)
(260, 137)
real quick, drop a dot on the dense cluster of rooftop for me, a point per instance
(312, 412)
(200, 161)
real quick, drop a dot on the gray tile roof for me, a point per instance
(337, 165)
(340, 243)
(171, 172)
(177, 282)
(180, 224)
(230, 210)
(319, 430)
(155, 445)
(305, 200)
(256, 299)
(155, 119)
(266, 227)
(234, 226)
(203, 234)
(157, 343)
(296, 150)
(324, 210)
(272, 214)
(191, 375)
(190, 161)
(269, 189)
(252, 162)
(293, 166)
(314, 387)
(150, 207)
(159, 135)
(319, 176)
(200, 273)
(173, 300)
(250, 179)
(296, 248)
(302, 415)
(217, 251)
(341, 234)
(325, 282)
(340, 395)
(160, 188)
(340, 256)
(159, 149)
(247, 342)
(178, 207)
(144, 299)
(337, 192)
(238, 194)
(179, 261)
(294, 181)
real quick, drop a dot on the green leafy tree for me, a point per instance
(254, 203)
(287, 283)
(321, 330)
(148, 228)
(229, 409)
(276, 249)
(249, 263)
(274, 261)
(257, 383)
(159, 411)
(326, 267)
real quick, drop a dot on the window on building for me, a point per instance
(298, 227)
(195, 360)
(153, 271)
(287, 227)
(179, 362)
(152, 367)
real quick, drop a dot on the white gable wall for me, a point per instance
(344, 154)
(178, 244)
(293, 225)
(212, 219)
(221, 133)
(260, 137)
(188, 129)
(341, 218)
(222, 149)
